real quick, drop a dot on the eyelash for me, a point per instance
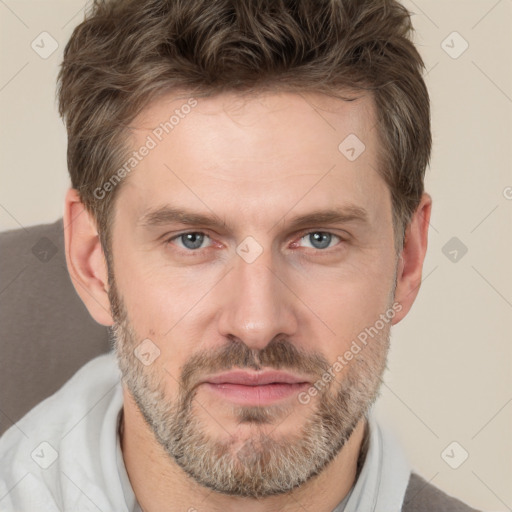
(300, 237)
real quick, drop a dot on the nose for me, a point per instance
(256, 304)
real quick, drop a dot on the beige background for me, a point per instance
(449, 375)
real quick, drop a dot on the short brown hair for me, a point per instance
(128, 52)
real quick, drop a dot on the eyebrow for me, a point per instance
(167, 214)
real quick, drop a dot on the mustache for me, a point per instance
(278, 354)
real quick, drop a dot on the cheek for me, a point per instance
(348, 302)
(168, 307)
(155, 296)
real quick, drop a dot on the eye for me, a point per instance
(191, 240)
(320, 239)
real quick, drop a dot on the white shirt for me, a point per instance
(65, 454)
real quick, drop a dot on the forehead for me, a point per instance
(296, 116)
(266, 148)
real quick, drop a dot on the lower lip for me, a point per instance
(256, 395)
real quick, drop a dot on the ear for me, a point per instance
(410, 264)
(85, 259)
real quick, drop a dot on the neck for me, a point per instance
(161, 485)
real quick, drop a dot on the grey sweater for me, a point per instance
(422, 496)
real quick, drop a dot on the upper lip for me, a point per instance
(255, 378)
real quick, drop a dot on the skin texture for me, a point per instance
(253, 163)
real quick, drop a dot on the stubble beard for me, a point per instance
(264, 464)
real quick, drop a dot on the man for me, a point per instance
(247, 212)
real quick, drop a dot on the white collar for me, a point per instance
(384, 477)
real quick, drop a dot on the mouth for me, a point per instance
(257, 388)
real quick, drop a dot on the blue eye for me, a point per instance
(192, 240)
(320, 239)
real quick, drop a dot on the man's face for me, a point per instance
(251, 289)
